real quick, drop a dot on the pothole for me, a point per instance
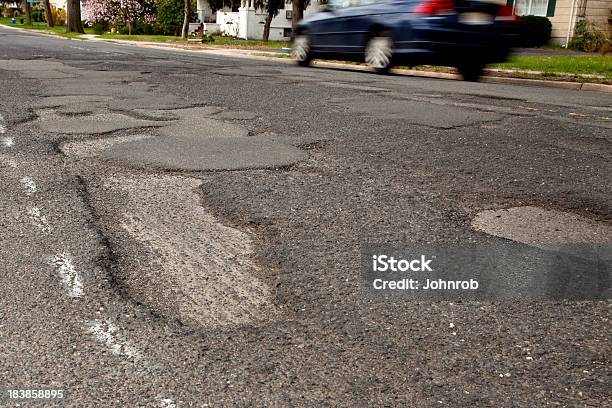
(193, 142)
(191, 264)
(197, 153)
(90, 124)
(545, 229)
(443, 117)
(197, 142)
(56, 101)
(92, 148)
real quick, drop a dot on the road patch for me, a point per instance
(439, 116)
(92, 148)
(542, 228)
(197, 142)
(205, 154)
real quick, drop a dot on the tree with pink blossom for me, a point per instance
(120, 11)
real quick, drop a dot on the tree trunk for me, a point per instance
(28, 10)
(297, 14)
(185, 31)
(266, 33)
(130, 24)
(48, 13)
(73, 16)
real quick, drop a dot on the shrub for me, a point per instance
(100, 27)
(588, 37)
(38, 14)
(142, 27)
(535, 31)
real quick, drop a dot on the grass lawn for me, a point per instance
(58, 30)
(233, 42)
(575, 64)
(219, 41)
(150, 38)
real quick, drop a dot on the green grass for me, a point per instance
(233, 42)
(219, 41)
(574, 64)
(58, 30)
(149, 38)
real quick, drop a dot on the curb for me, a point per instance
(231, 52)
(575, 86)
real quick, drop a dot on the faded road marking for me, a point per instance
(7, 161)
(71, 279)
(105, 332)
(167, 403)
(39, 220)
(7, 141)
(29, 185)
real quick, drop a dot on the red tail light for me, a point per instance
(506, 11)
(436, 7)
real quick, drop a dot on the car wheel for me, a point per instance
(379, 52)
(471, 72)
(301, 51)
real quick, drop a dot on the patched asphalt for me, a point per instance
(205, 153)
(371, 168)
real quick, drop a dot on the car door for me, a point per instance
(330, 30)
(355, 23)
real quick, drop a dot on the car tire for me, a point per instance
(378, 52)
(301, 51)
(471, 72)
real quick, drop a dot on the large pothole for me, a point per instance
(186, 261)
(194, 142)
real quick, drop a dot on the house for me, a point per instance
(564, 14)
(248, 22)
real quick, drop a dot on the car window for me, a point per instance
(342, 4)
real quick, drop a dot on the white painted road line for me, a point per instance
(2, 125)
(7, 141)
(105, 332)
(39, 220)
(71, 279)
(29, 185)
(167, 403)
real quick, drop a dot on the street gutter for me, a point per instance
(251, 54)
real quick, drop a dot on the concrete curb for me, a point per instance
(240, 53)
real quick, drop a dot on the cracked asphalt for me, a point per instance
(184, 230)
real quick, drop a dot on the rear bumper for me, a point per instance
(449, 53)
(452, 46)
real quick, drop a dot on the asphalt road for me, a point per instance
(183, 230)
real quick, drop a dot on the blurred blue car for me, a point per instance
(467, 34)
